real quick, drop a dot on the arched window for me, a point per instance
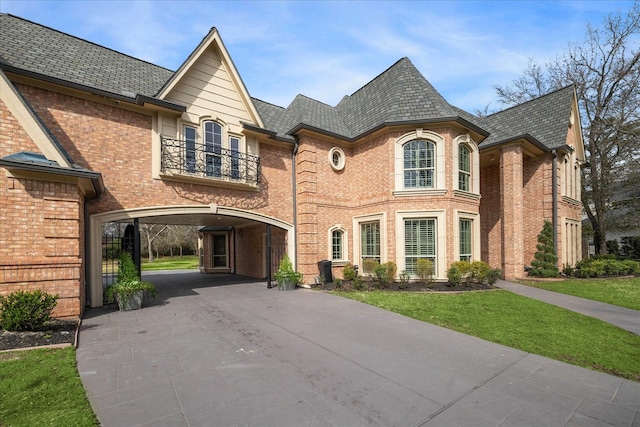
(337, 240)
(419, 164)
(464, 168)
(336, 245)
(213, 148)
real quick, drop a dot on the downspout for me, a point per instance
(295, 201)
(554, 183)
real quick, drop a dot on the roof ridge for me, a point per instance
(268, 103)
(86, 41)
(376, 77)
(533, 99)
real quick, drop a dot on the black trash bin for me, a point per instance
(324, 267)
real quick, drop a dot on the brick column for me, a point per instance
(307, 183)
(511, 198)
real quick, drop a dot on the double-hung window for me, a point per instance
(464, 168)
(234, 145)
(419, 164)
(466, 241)
(419, 242)
(213, 148)
(190, 138)
(370, 241)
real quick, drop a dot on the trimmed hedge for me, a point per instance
(605, 266)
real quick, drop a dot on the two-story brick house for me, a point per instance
(392, 173)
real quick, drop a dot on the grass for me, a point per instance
(522, 323)
(42, 388)
(624, 292)
(171, 263)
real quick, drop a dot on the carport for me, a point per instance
(257, 241)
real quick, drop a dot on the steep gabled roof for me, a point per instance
(34, 48)
(546, 119)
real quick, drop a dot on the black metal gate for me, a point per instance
(276, 248)
(118, 237)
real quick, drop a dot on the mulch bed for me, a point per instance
(56, 331)
(414, 287)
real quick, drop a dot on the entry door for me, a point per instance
(220, 258)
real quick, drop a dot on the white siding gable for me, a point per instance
(207, 90)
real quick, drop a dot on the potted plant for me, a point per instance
(129, 290)
(286, 276)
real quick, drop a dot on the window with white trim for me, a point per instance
(337, 237)
(419, 164)
(465, 230)
(464, 168)
(190, 138)
(213, 148)
(336, 159)
(370, 242)
(419, 242)
(234, 146)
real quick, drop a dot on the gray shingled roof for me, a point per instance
(31, 47)
(546, 119)
(400, 94)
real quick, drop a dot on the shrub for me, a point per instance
(472, 272)
(127, 270)
(600, 266)
(632, 267)
(358, 284)
(464, 268)
(26, 310)
(545, 260)
(349, 272)
(424, 270)
(404, 280)
(337, 283)
(493, 275)
(630, 247)
(568, 270)
(369, 265)
(454, 275)
(386, 273)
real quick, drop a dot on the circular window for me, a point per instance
(336, 158)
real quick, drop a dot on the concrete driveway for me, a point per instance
(208, 353)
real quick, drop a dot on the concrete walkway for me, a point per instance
(619, 316)
(204, 354)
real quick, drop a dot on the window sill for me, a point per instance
(571, 201)
(420, 192)
(466, 194)
(205, 180)
(339, 262)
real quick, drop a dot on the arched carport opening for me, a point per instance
(255, 236)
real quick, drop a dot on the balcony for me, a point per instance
(197, 161)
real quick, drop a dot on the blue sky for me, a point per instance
(328, 49)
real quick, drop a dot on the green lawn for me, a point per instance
(171, 263)
(624, 292)
(42, 388)
(522, 323)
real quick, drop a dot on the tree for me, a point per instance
(150, 233)
(545, 260)
(605, 71)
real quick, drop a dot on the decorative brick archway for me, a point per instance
(177, 214)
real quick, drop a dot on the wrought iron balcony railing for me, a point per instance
(208, 161)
